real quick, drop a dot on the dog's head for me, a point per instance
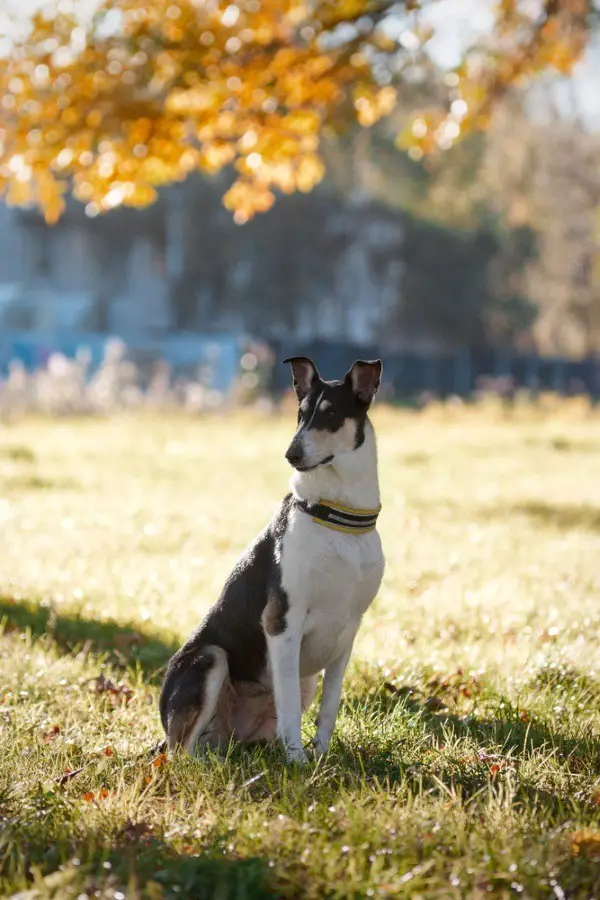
(331, 414)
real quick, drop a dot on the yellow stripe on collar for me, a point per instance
(339, 517)
(348, 529)
(350, 509)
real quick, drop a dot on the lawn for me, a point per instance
(466, 762)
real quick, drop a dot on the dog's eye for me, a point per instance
(330, 413)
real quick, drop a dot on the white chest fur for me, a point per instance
(330, 578)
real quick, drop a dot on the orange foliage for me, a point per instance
(150, 90)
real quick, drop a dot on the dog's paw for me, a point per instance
(317, 748)
(296, 755)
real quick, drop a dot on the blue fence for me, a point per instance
(183, 352)
(409, 375)
(406, 375)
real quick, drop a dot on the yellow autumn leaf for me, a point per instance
(309, 172)
(188, 85)
(585, 842)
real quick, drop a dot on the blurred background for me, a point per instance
(468, 266)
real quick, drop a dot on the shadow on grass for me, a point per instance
(18, 453)
(133, 862)
(39, 483)
(414, 756)
(568, 445)
(45, 850)
(561, 516)
(126, 645)
(494, 747)
(42, 834)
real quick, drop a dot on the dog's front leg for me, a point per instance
(284, 655)
(330, 702)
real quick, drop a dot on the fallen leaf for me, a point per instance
(434, 704)
(88, 797)
(69, 774)
(50, 735)
(102, 684)
(482, 756)
(160, 761)
(118, 693)
(108, 751)
(159, 747)
(136, 831)
(577, 764)
(405, 691)
(585, 842)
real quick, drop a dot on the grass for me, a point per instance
(467, 757)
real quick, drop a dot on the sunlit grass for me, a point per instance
(467, 757)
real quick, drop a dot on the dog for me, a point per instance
(293, 603)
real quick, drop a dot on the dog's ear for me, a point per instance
(364, 378)
(304, 373)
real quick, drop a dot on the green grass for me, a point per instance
(466, 762)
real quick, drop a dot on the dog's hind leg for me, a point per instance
(193, 713)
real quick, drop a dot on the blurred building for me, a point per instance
(312, 269)
(66, 278)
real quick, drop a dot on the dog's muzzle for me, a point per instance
(297, 457)
(295, 454)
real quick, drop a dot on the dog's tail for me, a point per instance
(190, 694)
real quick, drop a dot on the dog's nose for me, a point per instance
(294, 454)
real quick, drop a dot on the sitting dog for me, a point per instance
(294, 602)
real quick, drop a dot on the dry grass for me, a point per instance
(473, 773)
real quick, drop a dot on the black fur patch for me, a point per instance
(234, 623)
(182, 703)
(341, 404)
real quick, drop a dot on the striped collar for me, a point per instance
(340, 518)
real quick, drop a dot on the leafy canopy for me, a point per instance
(142, 92)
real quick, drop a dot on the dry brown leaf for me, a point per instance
(69, 774)
(136, 831)
(434, 704)
(585, 842)
(118, 693)
(160, 761)
(50, 735)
